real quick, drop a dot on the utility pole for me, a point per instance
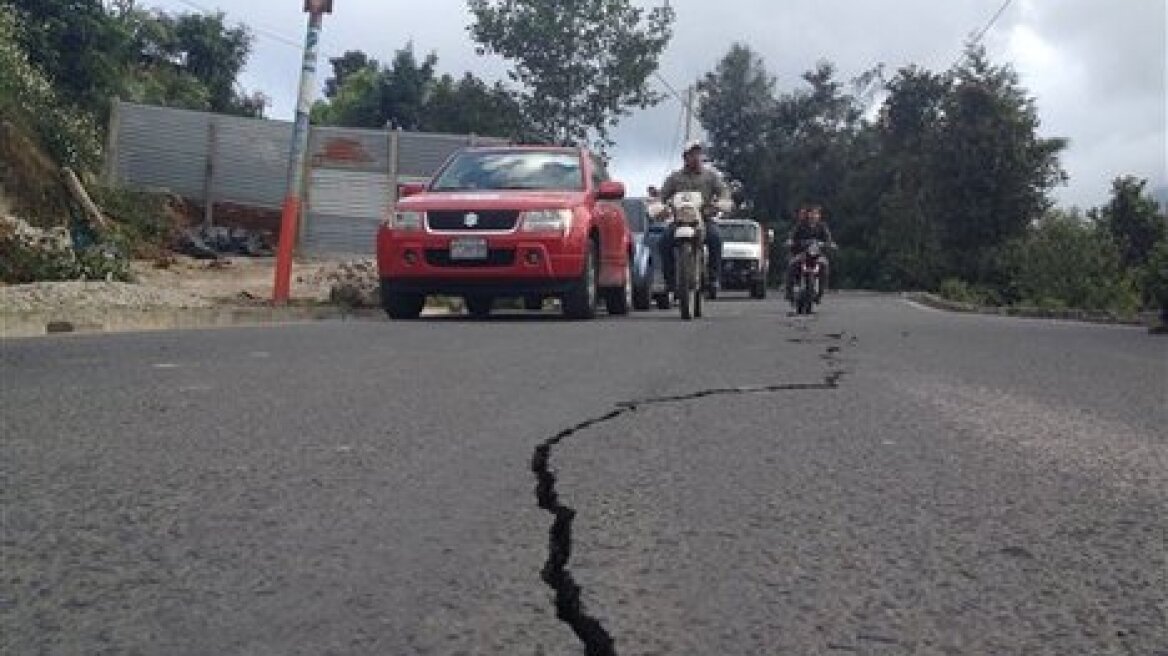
(689, 101)
(290, 216)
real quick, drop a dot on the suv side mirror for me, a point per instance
(410, 189)
(611, 190)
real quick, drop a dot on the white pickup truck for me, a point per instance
(745, 256)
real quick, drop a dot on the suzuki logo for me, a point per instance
(471, 220)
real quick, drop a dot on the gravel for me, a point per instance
(51, 296)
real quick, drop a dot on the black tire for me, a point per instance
(532, 303)
(664, 302)
(580, 302)
(686, 289)
(805, 301)
(758, 290)
(403, 306)
(642, 299)
(619, 300)
(479, 307)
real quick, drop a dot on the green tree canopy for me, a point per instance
(581, 65)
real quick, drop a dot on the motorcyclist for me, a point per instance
(695, 176)
(810, 225)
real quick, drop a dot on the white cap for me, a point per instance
(691, 144)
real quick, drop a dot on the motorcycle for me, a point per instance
(808, 266)
(690, 256)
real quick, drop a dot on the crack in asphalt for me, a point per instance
(596, 639)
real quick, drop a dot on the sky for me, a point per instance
(1098, 69)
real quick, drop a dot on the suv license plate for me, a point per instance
(468, 249)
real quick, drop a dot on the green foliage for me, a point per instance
(1065, 261)
(409, 94)
(955, 289)
(28, 97)
(76, 45)
(1133, 219)
(62, 61)
(25, 259)
(145, 222)
(990, 172)
(1154, 277)
(929, 189)
(582, 65)
(470, 106)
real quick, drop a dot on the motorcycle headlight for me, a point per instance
(405, 221)
(546, 221)
(689, 214)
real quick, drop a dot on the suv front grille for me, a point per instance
(456, 220)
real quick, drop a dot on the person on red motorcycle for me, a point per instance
(695, 176)
(810, 225)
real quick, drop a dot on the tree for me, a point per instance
(409, 95)
(738, 97)
(582, 65)
(992, 173)
(1133, 220)
(77, 45)
(908, 233)
(356, 104)
(471, 106)
(406, 87)
(344, 66)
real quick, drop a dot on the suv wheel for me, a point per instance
(402, 306)
(580, 301)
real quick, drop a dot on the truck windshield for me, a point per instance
(739, 232)
(503, 169)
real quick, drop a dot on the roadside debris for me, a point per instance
(353, 283)
(212, 243)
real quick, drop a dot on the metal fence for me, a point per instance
(353, 174)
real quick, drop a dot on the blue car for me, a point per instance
(648, 283)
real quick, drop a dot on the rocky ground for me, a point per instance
(174, 280)
(188, 283)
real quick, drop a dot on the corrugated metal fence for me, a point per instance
(213, 158)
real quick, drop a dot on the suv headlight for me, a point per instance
(546, 221)
(406, 221)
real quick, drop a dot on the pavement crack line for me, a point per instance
(596, 639)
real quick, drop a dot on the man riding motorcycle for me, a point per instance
(694, 176)
(809, 226)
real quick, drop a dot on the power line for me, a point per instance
(258, 29)
(977, 39)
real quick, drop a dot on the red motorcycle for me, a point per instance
(808, 276)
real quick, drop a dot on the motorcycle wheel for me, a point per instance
(685, 282)
(804, 300)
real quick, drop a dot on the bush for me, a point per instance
(1066, 262)
(145, 222)
(960, 291)
(31, 255)
(1154, 278)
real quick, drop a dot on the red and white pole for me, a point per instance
(290, 217)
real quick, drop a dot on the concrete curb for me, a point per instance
(1146, 319)
(103, 320)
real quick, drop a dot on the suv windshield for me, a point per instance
(503, 169)
(739, 232)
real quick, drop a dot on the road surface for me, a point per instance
(879, 479)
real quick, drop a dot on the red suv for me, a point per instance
(509, 222)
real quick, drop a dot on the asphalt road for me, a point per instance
(879, 479)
